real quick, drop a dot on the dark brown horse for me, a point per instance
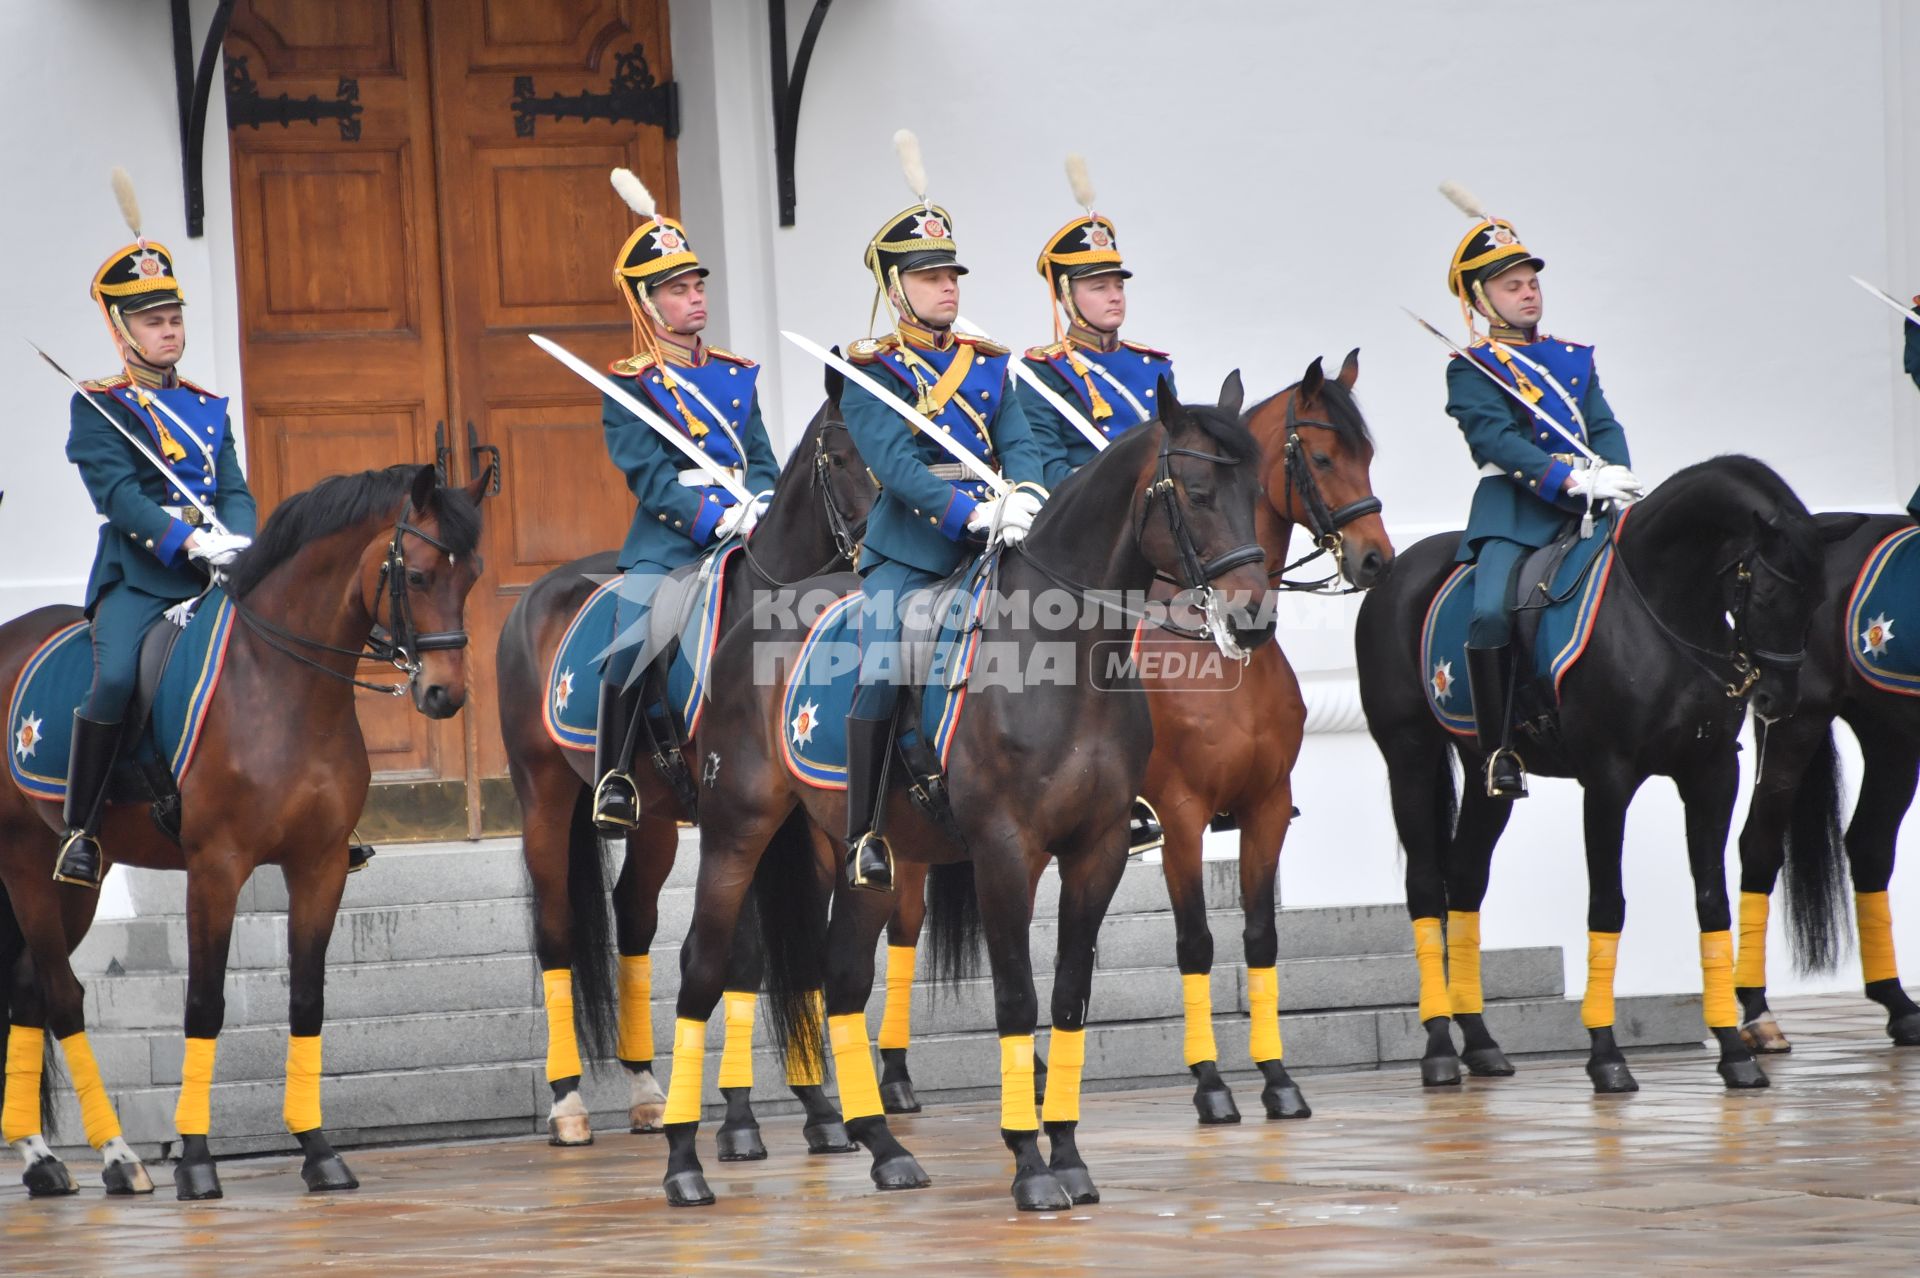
(812, 525)
(1044, 770)
(279, 777)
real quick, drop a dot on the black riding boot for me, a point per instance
(1490, 678)
(1143, 829)
(616, 800)
(88, 768)
(869, 859)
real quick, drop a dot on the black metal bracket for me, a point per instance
(246, 105)
(787, 88)
(192, 91)
(482, 456)
(632, 96)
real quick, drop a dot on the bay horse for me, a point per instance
(1225, 740)
(1048, 769)
(1716, 577)
(1794, 817)
(384, 560)
(812, 525)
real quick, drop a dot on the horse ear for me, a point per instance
(836, 381)
(1350, 368)
(1232, 394)
(1312, 380)
(1170, 410)
(425, 480)
(1838, 526)
(481, 487)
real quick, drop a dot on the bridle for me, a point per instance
(400, 644)
(845, 530)
(1748, 660)
(1323, 523)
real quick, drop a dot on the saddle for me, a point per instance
(657, 728)
(949, 607)
(1539, 586)
(139, 776)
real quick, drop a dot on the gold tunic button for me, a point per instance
(979, 359)
(733, 372)
(983, 394)
(934, 522)
(1518, 475)
(736, 403)
(149, 543)
(1569, 350)
(203, 399)
(678, 524)
(663, 519)
(1149, 394)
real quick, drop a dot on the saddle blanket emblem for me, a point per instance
(57, 676)
(819, 692)
(573, 678)
(1578, 584)
(1880, 641)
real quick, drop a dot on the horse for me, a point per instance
(1044, 770)
(1719, 569)
(1794, 816)
(813, 524)
(1225, 739)
(383, 560)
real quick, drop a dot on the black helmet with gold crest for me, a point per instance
(919, 237)
(1085, 247)
(136, 277)
(657, 252)
(1492, 246)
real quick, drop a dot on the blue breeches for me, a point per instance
(121, 618)
(882, 664)
(1495, 565)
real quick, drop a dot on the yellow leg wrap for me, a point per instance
(1875, 916)
(563, 1049)
(302, 1109)
(1716, 980)
(1463, 961)
(736, 1055)
(853, 1062)
(1750, 967)
(689, 1069)
(896, 1023)
(1263, 1011)
(1430, 953)
(1017, 1113)
(193, 1115)
(1196, 992)
(805, 1067)
(636, 1007)
(96, 1111)
(1603, 951)
(20, 1117)
(1067, 1052)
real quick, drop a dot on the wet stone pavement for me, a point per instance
(1529, 1174)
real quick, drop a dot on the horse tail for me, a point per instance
(595, 1014)
(792, 907)
(13, 944)
(954, 929)
(1816, 865)
(1446, 802)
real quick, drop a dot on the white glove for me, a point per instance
(217, 550)
(1014, 513)
(1617, 483)
(741, 519)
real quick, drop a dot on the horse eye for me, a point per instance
(416, 579)
(1323, 461)
(1201, 500)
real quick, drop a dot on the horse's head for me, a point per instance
(1194, 507)
(845, 485)
(414, 581)
(1319, 456)
(1771, 594)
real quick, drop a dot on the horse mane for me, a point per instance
(1343, 412)
(1800, 531)
(342, 501)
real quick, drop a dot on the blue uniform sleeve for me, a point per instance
(653, 471)
(762, 469)
(233, 501)
(1020, 457)
(1913, 346)
(1604, 432)
(1485, 417)
(1052, 434)
(886, 444)
(109, 468)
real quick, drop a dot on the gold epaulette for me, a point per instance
(197, 389)
(1045, 353)
(729, 356)
(1145, 350)
(108, 383)
(982, 345)
(866, 350)
(631, 366)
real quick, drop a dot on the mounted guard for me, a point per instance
(157, 548)
(1547, 445)
(683, 511)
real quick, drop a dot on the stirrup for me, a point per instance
(616, 803)
(79, 861)
(358, 854)
(870, 878)
(1144, 831)
(1516, 787)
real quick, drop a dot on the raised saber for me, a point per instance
(140, 445)
(1906, 311)
(953, 447)
(1018, 367)
(627, 400)
(1512, 394)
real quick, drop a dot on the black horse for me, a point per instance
(1045, 770)
(1716, 576)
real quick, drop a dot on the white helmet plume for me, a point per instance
(129, 202)
(634, 192)
(1465, 200)
(1081, 183)
(911, 165)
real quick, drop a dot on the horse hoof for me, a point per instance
(1764, 1037)
(688, 1189)
(647, 1128)
(1440, 1071)
(1078, 1182)
(1905, 1030)
(1216, 1107)
(126, 1178)
(195, 1182)
(740, 1145)
(898, 1098)
(327, 1173)
(1611, 1077)
(1743, 1075)
(570, 1129)
(1286, 1102)
(1487, 1062)
(1040, 1191)
(828, 1138)
(48, 1178)
(902, 1171)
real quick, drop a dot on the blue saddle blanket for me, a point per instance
(573, 678)
(1573, 595)
(819, 691)
(55, 681)
(1881, 629)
